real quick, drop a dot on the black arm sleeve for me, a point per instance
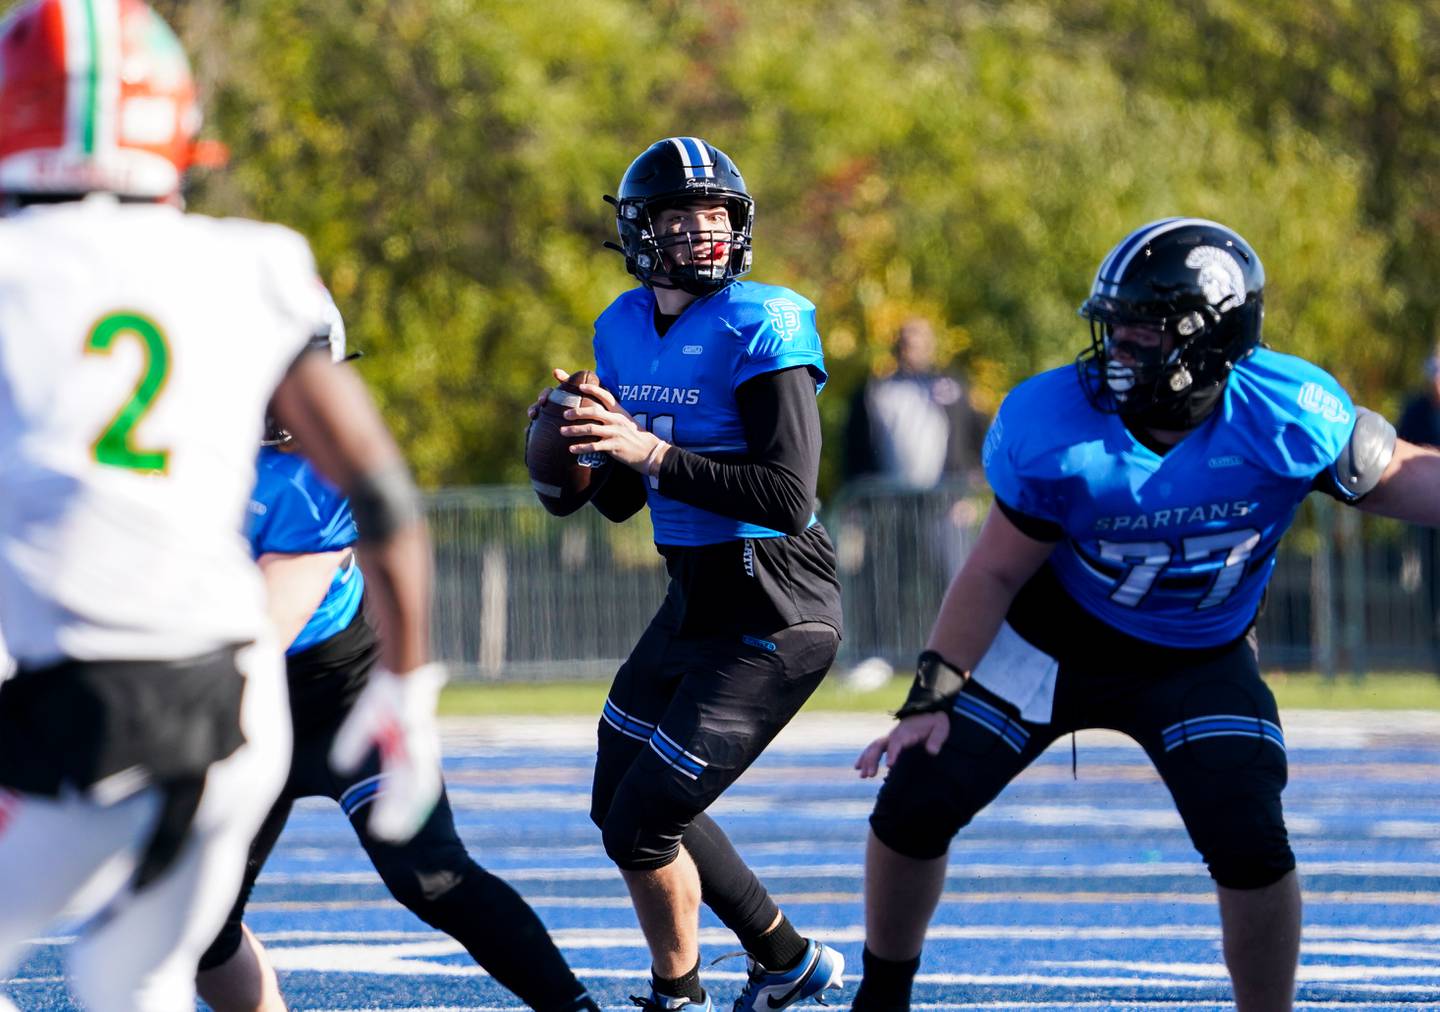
(773, 485)
(622, 495)
(859, 443)
(1031, 527)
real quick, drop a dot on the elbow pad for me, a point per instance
(937, 683)
(1364, 456)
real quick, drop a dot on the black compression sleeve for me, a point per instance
(622, 495)
(773, 485)
(1031, 527)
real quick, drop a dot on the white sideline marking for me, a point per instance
(926, 1006)
(410, 960)
(1216, 971)
(1318, 940)
(417, 959)
(858, 809)
(824, 732)
(1157, 869)
(930, 1006)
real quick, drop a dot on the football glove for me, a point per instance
(395, 714)
(937, 683)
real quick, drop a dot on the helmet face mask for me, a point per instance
(1173, 307)
(689, 175)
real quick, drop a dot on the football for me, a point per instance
(564, 481)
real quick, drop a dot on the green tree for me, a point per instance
(972, 161)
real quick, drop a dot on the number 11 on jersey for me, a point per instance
(661, 425)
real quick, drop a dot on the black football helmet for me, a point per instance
(675, 172)
(1201, 286)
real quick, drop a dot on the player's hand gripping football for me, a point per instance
(533, 411)
(395, 714)
(610, 429)
(929, 728)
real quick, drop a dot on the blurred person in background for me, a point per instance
(1420, 418)
(303, 535)
(914, 428)
(712, 424)
(1420, 424)
(145, 733)
(1140, 495)
(910, 432)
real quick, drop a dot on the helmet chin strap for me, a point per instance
(1179, 414)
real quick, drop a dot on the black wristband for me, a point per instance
(383, 502)
(937, 683)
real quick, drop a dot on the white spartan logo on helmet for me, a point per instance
(1220, 276)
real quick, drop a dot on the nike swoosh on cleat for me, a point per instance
(789, 996)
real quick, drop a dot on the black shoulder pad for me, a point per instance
(1365, 456)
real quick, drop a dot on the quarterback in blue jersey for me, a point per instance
(303, 535)
(1140, 495)
(708, 414)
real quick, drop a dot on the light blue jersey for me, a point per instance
(682, 386)
(294, 511)
(1173, 549)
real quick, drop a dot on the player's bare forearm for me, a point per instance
(331, 414)
(981, 593)
(1410, 487)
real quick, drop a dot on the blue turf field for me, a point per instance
(1064, 895)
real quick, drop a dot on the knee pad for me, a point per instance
(637, 843)
(917, 813)
(1262, 859)
(1254, 872)
(1236, 822)
(424, 874)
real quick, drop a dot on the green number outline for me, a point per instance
(115, 445)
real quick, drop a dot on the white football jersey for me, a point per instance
(138, 348)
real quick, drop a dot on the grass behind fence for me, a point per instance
(1409, 691)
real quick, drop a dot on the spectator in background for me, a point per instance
(915, 427)
(1420, 424)
(1420, 421)
(911, 431)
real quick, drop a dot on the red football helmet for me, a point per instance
(95, 95)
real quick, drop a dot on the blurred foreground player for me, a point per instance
(1139, 499)
(303, 535)
(712, 421)
(145, 732)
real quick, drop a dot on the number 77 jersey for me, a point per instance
(138, 348)
(1173, 549)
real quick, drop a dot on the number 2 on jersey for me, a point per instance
(115, 445)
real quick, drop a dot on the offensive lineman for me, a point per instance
(715, 423)
(1139, 499)
(145, 733)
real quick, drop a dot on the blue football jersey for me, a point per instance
(682, 386)
(1173, 549)
(294, 511)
